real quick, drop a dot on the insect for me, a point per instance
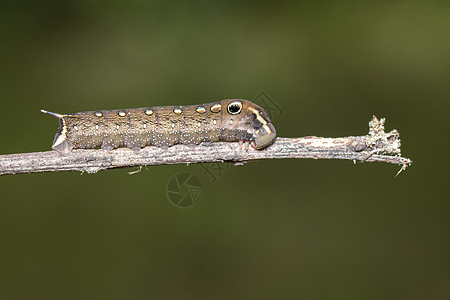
(228, 120)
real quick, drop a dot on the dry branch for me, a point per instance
(377, 146)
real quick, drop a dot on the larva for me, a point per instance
(227, 120)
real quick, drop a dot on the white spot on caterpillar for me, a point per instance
(122, 113)
(214, 121)
(149, 112)
(200, 109)
(96, 126)
(216, 108)
(177, 110)
(98, 113)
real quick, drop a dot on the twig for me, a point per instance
(377, 146)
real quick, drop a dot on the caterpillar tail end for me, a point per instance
(60, 142)
(60, 116)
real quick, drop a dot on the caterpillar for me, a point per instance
(228, 120)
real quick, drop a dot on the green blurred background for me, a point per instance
(269, 229)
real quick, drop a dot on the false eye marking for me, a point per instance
(234, 107)
(216, 108)
(177, 110)
(122, 113)
(98, 114)
(149, 112)
(200, 110)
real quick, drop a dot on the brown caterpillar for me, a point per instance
(228, 120)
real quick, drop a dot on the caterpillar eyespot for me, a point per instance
(234, 107)
(164, 126)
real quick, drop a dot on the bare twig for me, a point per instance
(377, 146)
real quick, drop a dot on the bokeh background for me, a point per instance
(269, 229)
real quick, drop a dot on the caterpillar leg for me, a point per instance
(107, 148)
(246, 144)
(136, 149)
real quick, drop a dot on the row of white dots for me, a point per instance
(215, 109)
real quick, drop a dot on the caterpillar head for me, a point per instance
(253, 121)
